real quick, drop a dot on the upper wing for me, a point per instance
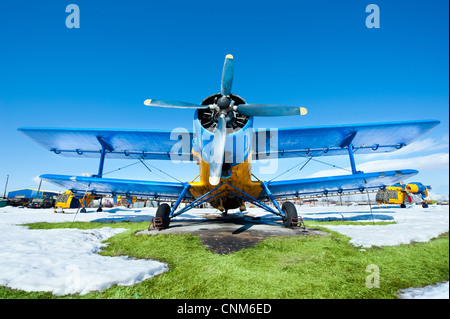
(150, 144)
(160, 190)
(334, 140)
(335, 184)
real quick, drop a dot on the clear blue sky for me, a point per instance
(317, 54)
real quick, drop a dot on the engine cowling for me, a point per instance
(415, 188)
(208, 119)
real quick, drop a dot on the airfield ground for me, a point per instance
(47, 252)
(225, 235)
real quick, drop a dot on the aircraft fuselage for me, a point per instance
(236, 169)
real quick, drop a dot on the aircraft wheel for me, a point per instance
(424, 205)
(291, 214)
(402, 205)
(163, 211)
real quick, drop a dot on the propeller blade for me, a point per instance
(218, 150)
(174, 104)
(269, 110)
(227, 75)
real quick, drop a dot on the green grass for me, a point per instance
(278, 267)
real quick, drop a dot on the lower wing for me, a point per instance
(95, 185)
(332, 185)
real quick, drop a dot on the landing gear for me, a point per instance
(424, 205)
(291, 218)
(162, 213)
(287, 212)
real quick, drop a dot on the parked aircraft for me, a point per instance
(403, 194)
(224, 143)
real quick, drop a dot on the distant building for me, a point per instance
(311, 202)
(29, 193)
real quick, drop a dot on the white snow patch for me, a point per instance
(412, 224)
(63, 261)
(438, 291)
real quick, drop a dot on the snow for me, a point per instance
(438, 291)
(412, 224)
(66, 261)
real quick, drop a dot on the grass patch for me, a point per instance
(310, 267)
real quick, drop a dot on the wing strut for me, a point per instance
(105, 147)
(352, 159)
(348, 142)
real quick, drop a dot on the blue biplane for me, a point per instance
(224, 143)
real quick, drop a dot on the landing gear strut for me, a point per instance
(287, 211)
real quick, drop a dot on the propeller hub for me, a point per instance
(223, 102)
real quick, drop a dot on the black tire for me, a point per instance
(163, 211)
(291, 213)
(424, 205)
(402, 205)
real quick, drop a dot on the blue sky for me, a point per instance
(318, 54)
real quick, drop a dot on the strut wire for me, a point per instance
(304, 164)
(118, 169)
(83, 202)
(370, 205)
(140, 159)
(311, 157)
(146, 166)
(332, 165)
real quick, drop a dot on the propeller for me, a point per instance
(218, 151)
(174, 104)
(269, 110)
(220, 112)
(227, 76)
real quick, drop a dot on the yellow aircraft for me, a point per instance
(69, 200)
(403, 194)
